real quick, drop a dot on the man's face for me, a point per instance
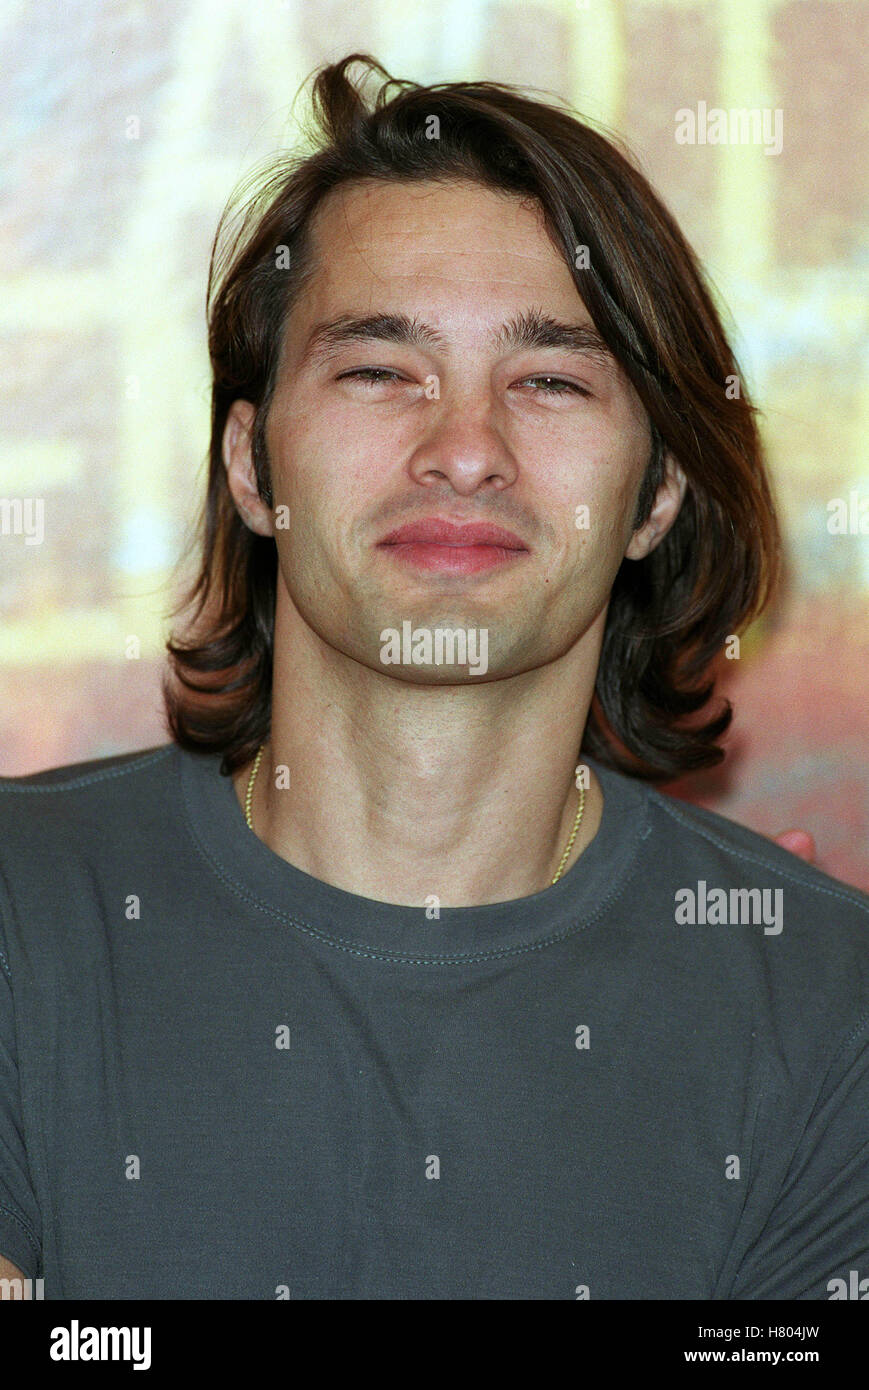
(466, 425)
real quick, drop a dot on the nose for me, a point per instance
(464, 447)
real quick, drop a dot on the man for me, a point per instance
(391, 976)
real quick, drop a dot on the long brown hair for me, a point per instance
(669, 613)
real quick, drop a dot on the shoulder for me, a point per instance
(78, 811)
(695, 835)
(758, 924)
(76, 791)
(69, 837)
(70, 777)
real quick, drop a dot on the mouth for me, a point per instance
(454, 547)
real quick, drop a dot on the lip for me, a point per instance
(436, 531)
(451, 547)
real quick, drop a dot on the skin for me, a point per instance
(10, 1271)
(409, 780)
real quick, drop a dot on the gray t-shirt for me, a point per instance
(221, 1077)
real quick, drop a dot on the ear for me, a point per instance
(668, 500)
(240, 473)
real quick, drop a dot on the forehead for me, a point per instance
(388, 237)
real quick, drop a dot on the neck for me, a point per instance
(399, 791)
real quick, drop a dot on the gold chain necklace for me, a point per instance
(568, 847)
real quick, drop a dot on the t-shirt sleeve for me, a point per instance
(20, 1222)
(815, 1244)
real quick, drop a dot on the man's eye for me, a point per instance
(372, 376)
(376, 376)
(556, 383)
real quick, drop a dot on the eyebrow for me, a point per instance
(532, 329)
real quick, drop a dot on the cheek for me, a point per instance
(604, 493)
(316, 466)
(345, 439)
(589, 488)
(616, 468)
(326, 486)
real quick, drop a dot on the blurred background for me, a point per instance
(126, 127)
